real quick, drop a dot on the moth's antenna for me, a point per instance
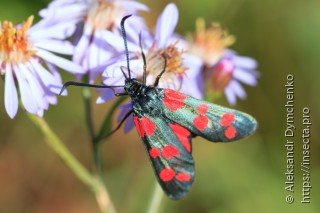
(73, 83)
(144, 61)
(124, 35)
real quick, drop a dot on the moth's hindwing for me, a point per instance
(207, 120)
(168, 146)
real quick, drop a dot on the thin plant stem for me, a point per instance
(107, 123)
(75, 166)
(102, 194)
(59, 148)
(156, 199)
(86, 94)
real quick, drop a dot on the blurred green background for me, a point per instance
(247, 176)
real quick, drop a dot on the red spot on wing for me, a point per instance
(167, 174)
(154, 152)
(227, 119)
(148, 126)
(138, 126)
(182, 135)
(170, 151)
(201, 122)
(202, 109)
(183, 177)
(230, 132)
(174, 94)
(172, 105)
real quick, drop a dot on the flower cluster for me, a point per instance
(223, 69)
(88, 31)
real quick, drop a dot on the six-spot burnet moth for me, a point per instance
(167, 120)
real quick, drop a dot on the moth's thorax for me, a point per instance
(144, 98)
(134, 88)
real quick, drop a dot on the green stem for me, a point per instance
(86, 94)
(156, 199)
(59, 148)
(102, 194)
(107, 123)
(93, 182)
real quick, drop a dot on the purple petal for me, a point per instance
(245, 62)
(233, 90)
(60, 62)
(63, 47)
(54, 71)
(98, 52)
(230, 95)
(131, 6)
(35, 87)
(74, 11)
(10, 94)
(238, 89)
(59, 31)
(134, 26)
(81, 48)
(245, 77)
(46, 77)
(129, 124)
(106, 96)
(166, 24)
(116, 41)
(40, 113)
(114, 81)
(124, 109)
(27, 97)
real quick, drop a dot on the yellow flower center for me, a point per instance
(103, 14)
(210, 43)
(14, 45)
(156, 60)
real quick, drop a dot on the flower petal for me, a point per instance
(128, 124)
(58, 31)
(10, 93)
(106, 96)
(116, 41)
(192, 83)
(46, 77)
(63, 47)
(230, 95)
(245, 76)
(27, 97)
(131, 6)
(36, 88)
(166, 24)
(81, 47)
(238, 89)
(60, 62)
(245, 62)
(124, 110)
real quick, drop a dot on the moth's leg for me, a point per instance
(120, 124)
(121, 94)
(124, 74)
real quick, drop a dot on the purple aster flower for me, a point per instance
(209, 44)
(230, 71)
(183, 71)
(27, 60)
(223, 68)
(97, 20)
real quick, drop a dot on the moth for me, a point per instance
(167, 120)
